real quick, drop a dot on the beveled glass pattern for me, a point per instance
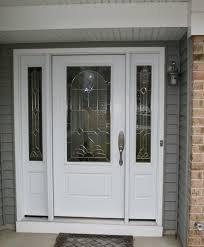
(143, 123)
(88, 113)
(35, 113)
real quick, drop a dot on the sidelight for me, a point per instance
(143, 114)
(35, 113)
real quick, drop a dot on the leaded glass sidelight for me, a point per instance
(35, 113)
(88, 113)
(143, 114)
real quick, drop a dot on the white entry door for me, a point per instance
(88, 115)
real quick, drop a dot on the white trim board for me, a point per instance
(196, 17)
(81, 16)
(82, 51)
(52, 225)
(151, 230)
(197, 23)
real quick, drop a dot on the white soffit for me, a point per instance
(86, 16)
(94, 35)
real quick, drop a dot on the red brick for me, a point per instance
(194, 241)
(196, 174)
(197, 130)
(198, 112)
(196, 192)
(197, 139)
(198, 85)
(196, 210)
(198, 122)
(198, 67)
(197, 165)
(198, 75)
(197, 38)
(197, 183)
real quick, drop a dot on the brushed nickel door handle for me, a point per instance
(121, 143)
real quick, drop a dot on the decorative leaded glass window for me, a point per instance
(88, 113)
(143, 114)
(35, 113)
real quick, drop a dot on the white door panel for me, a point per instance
(84, 187)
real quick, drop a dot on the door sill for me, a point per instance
(89, 226)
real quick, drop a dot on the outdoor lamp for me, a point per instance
(173, 74)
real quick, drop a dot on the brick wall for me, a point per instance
(196, 190)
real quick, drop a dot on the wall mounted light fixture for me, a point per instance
(173, 74)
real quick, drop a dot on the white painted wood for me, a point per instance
(196, 17)
(88, 189)
(18, 137)
(48, 129)
(197, 5)
(144, 182)
(18, 140)
(34, 189)
(63, 2)
(89, 51)
(197, 27)
(127, 143)
(142, 229)
(160, 167)
(82, 16)
(142, 176)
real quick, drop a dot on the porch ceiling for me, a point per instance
(50, 2)
(88, 35)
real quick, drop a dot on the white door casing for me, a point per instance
(152, 173)
(88, 189)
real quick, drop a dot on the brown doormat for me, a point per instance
(84, 240)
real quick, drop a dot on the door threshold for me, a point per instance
(89, 226)
(90, 220)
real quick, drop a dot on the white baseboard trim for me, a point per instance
(89, 228)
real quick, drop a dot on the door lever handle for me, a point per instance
(121, 143)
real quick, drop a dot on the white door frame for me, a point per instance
(48, 53)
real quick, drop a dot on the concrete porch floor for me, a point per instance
(13, 239)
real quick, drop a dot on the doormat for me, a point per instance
(84, 240)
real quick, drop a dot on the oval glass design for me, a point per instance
(88, 114)
(35, 113)
(143, 114)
